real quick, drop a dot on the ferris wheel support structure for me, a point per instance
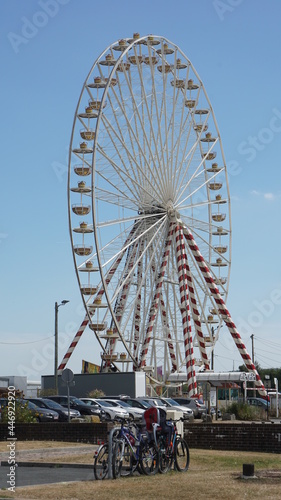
(223, 311)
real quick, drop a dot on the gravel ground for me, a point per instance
(53, 454)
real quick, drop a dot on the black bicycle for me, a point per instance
(172, 448)
(134, 450)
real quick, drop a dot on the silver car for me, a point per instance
(173, 405)
(111, 412)
(134, 413)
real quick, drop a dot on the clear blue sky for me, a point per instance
(46, 51)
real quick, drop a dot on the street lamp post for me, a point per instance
(63, 302)
(267, 383)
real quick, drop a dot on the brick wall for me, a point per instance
(59, 431)
(219, 436)
(261, 437)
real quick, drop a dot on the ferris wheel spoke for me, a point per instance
(116, 198)
(131, 132)
(119, 144)
(158, 139)
(202, 183)
(150, 248)
(123, 177)
(140, 127)
(148, 170)
(117, 129)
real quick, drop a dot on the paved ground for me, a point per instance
(27, 475)
(31, 473)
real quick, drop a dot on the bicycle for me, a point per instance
(172, 448)
(133, 450)
(101, 459)
(101, 462)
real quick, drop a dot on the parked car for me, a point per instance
(197, 408)
(134, 413)
(173, 405)
(110, 410)
(53, 405)
(77, 404)
(259, 402)
(136, 403)
(152, 401)
(41, 414)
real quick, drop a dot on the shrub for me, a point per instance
(44, 393)
(243, 411)
(96, 393)
(22, 414)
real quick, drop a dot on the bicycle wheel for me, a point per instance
(165, 460)
(129, 462)
(181, 455)
(101, 462)
(149, 459)
(117, 459)
(124, 462)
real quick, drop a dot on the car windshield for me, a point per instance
(38, 403)
(172, 402)
(53, 404)
(77, 401)
(146, 404)
(30, 405)
(112, 403)
(122, 403)
(104, 403)
(157, 402)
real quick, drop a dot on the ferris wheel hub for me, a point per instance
(171, 211)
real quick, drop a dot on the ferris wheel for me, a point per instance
(149, 211)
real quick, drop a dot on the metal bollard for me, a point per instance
(110, 440)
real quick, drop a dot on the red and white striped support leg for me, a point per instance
(167, 328)
(222, 309)
(100, 293)
(154, 304)
(137, 317)
(73, 344)
(196, 318)
(189, 354)
(124, 296)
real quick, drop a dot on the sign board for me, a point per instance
(67, 375)
(249, 376)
